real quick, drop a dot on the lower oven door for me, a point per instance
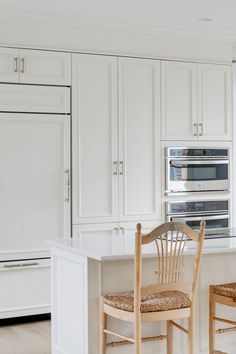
(215, 224)
(197, 175)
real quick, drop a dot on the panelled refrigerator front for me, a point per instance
(34, 192)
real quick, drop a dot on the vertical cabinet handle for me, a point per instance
(22, 65)
(201, 126)
(16, 65)
(121, 168)
(68, 185)
(195, 125)
(122, 229)
(116, 229)
(115, 166)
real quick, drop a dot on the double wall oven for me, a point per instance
(204, 170)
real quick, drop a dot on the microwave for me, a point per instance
(197, 170)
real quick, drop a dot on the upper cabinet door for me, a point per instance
(139, 172)
(9, 65)
(94, 129)
(45, 67)
(179, 100)
(214, 102)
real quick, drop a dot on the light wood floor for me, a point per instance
(27, 338)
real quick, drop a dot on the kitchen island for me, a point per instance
(82, 270)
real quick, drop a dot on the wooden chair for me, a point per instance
(224, 294)
(167, 300)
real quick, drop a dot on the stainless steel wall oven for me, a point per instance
(214, 212)
(197, 169)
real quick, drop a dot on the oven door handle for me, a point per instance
(199, 218)
(179, 163)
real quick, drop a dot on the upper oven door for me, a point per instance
(189, 175)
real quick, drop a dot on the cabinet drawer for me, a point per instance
(45, 67)
(25, 287)
(35, 99)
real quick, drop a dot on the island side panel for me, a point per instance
(94, 293)
(69, 303)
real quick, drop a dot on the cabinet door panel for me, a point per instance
(214, 102)
(94, 96)
(17, 278)
(9, 70)
(127, 232)
(34, 155)
(34, 98)
(139, 139)
(179, 100)
(45, 67)
(88, 235)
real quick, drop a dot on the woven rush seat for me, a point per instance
(162, 301)
(228, 290)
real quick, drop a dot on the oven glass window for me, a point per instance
(193, 172)
(210, 224)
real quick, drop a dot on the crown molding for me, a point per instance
(118, 26)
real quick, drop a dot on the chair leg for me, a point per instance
(137, 337)
(169, 326)
(191, 334)
(103, 325)
(212, 310)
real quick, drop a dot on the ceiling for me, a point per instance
(172, 14)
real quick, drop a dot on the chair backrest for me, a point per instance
(170, 239)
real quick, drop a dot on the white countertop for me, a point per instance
(114, 247)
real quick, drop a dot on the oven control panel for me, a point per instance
(174, 208)
(196, 152)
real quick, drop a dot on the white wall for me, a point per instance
(30, 32)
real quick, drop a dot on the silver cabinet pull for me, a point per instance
(201, 126)
(196, 129)
(122, 229)
(115, 166)
(68, 185)
(116, 229)
(19, 265)
(16, 64)
(121, 168)
(22, 65)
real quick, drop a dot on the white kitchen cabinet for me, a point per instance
(179, 100)
(34, 98)
(107, 186)
(115, 236)
(34, 190)
(45, 67)
(35, 67)
(196, 101)
(25, 288)
(214, 102)
(9, 60)
(94, 133)
(87, 234)
(139, 135)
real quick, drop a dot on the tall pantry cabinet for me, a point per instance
(115, 140)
